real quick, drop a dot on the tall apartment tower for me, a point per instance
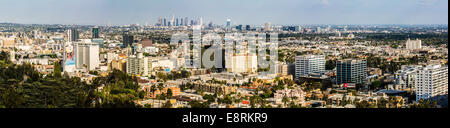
(309, 65)
(413, 44)
(87, 55)
(72, 35)
(351, 71)
(431, 81)
(242, 63)
(139, 65)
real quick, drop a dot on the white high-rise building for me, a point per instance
(309, 65)
(431, 81)
(242, 63)
(139, 65)
(87, 55)
(413, 44)
(267, 27)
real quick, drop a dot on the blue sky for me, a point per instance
(119, 12)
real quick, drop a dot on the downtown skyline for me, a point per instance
(112, 12)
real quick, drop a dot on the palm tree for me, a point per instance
(285, 100)
(153, 89)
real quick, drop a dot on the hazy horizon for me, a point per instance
(255, 12)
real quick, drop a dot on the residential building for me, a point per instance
(139, 65)
(309, 65)
(405, 77)
(413, 44)
(87, 55)
(351, 71)
(243, 64)
(431, 81)
(72, 35)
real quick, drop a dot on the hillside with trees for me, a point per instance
(21, 86)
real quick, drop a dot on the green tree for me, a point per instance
(57, 69)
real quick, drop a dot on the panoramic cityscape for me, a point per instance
(200, 54)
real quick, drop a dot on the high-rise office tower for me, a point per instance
(431, 81)
(248, 28)
(72, 35)
(160, 21)
(127, 40)
(172, 21)
(177, 23)
(165, 21)
(351, 71)
(95, 32)
(239, 27)
(181, 22)
(319, 30)
(309, 65)
(186, 21)
(228, 22)
(87, 55)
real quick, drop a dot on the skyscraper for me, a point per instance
(431, 81)
(87, 55)
(267, 27)
(248, 28)
(239, 27)
(351, 71)
(165, 21)
(181, 22)
(309, 65)
(127, 40)
(172, 21)
(95, 32)
(72, 35)
(228, 22)
(160, 21)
